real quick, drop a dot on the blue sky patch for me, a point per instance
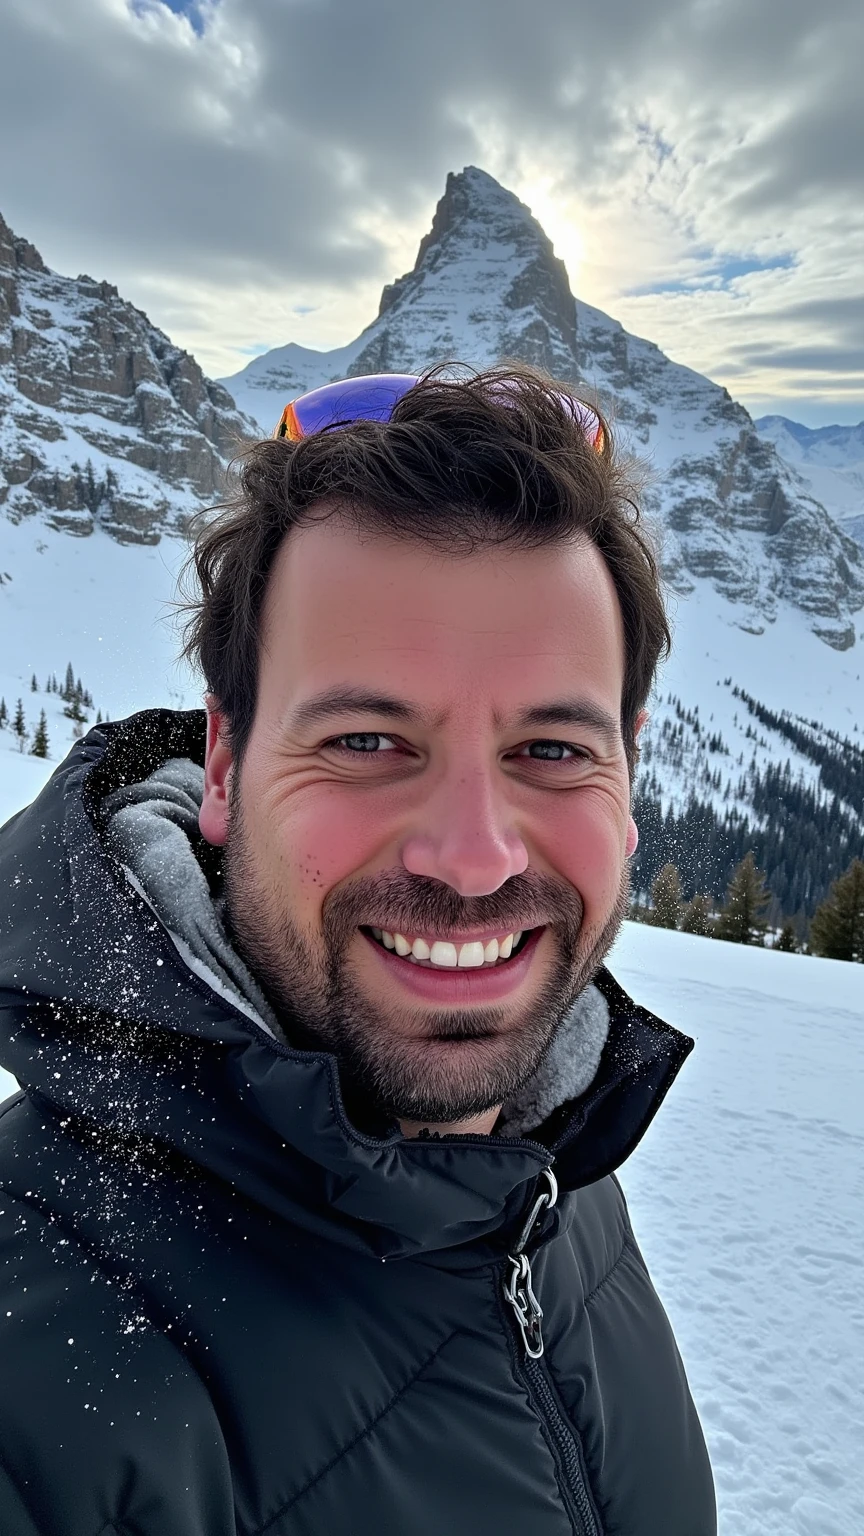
(191, 9)
(715, 274)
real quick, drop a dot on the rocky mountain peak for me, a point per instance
(487, 269)
(17, 255)
(102, 419)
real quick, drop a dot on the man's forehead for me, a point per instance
(336, 595)
(374, 572)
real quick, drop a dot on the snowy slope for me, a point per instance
(746, 1198)
(830, 461)
(102, 606)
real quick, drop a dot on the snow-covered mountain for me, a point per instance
(103, 421)
(830, 463)
(487, 285)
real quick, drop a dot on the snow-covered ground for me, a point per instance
(747, 1197)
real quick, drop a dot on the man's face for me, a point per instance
(435, 762)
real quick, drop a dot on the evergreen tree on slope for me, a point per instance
(40, 738)
(696, 917)
(742, 919)
(19, 726)
(837, 930)
(666, 898)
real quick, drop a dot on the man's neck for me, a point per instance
(476, 1125)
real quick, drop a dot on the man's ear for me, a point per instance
(214, 816)
(632, 840)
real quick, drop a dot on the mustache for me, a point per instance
(405, 903)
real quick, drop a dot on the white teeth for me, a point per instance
(443, 953)
(471, 955)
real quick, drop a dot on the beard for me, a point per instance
(409, 1062)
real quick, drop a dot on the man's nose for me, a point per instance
(466, 837)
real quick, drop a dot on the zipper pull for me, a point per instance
(519, 1284)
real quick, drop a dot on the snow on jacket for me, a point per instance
(227, 1310)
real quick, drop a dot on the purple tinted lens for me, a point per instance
(369, 398)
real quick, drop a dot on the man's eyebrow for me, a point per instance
(345, 700)
(578, 712)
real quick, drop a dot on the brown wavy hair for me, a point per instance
(465, 462)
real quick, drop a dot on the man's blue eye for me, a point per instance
(362, 741)
(549, 751)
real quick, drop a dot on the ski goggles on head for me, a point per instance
(373, 397)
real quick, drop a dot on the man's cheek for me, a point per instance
(329, 846)
(588, 855)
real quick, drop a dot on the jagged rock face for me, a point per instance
(725, 504)
(486, 277)
(486, 285)
(102, 419)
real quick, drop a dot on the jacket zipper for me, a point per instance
(520, 1296)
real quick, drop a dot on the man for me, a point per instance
(310, 1222)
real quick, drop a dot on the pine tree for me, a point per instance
(4, 713)
(73, 711)
(34, 686)
(787, 939)
(696, 917)
(40, 738)
(742, 918)
(68, 690)
(837, 929)
(19, 726)
(666, 898)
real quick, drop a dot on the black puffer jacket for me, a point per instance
(224, 1311)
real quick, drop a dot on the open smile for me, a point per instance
(458, 969)
(453, 953)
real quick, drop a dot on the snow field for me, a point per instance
(746, 1197)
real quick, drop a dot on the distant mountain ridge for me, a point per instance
(841, 446)
(103, 421)
(829, 462)
(487, 285)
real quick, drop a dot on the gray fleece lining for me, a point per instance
(152, 829)
(151, 832)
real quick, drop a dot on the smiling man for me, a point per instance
(311, 1222)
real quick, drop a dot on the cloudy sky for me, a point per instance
(251, 172)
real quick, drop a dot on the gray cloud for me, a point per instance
(291, 149)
